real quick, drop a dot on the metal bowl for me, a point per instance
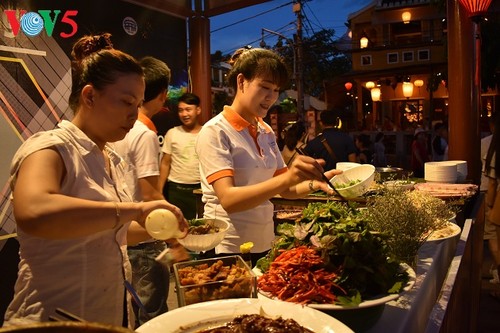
(389, 173)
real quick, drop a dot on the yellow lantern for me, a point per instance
(376, 94)
(407, 89)
(418, 83)
(363, 42)
(370, 84)
(406, 16)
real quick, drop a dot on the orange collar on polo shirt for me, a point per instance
(239, 123)
(146, 121)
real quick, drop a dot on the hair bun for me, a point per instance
(91, 44)
(236, 55)
(103, 41)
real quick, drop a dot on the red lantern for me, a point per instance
(476, 8)
(348, 86)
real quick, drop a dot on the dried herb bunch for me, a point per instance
(407, 218)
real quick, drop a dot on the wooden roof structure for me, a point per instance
(206, 8)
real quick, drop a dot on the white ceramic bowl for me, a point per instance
(346, 165)
(205, 242)
(365, 173)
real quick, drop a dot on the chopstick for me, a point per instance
(302, 152)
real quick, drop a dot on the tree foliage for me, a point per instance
(321, 59)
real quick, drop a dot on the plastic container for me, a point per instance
(212, 280)
(162, 224)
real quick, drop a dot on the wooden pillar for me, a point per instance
(200, 71)
(359, 106)
(464, 139)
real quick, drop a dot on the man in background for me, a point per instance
(490, 234)
(179, 170)
(419, 153)
(332, 144)
(141, 151)
(166, 119)
(439, 142)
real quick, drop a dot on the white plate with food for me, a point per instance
(376, 301)
(449, 231)
(400, 184)
(445, 190)
(203, 316)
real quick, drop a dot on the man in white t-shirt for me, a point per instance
(140, 150)
(179, 169)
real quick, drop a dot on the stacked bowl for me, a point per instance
(461, 170)
(445, 171)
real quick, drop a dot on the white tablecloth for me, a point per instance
(411, 312)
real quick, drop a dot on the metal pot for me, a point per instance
(389, 173)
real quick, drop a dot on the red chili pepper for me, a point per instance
(298, 275)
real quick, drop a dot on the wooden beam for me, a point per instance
(217, 7)
(171, 7)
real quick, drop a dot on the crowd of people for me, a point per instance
(82, 191)
(86, 187)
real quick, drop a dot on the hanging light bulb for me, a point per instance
(348, 86)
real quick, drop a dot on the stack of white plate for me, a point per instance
(441, 172)
(461, 170)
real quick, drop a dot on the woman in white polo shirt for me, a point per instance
(241, 166)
